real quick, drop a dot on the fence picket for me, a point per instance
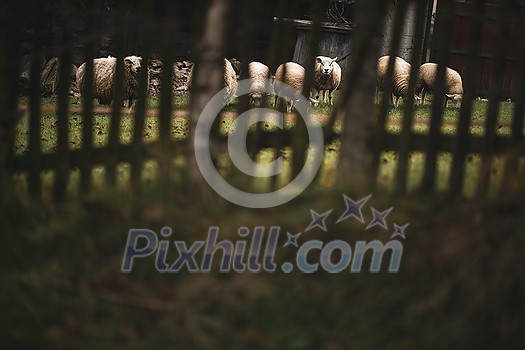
(9, 66)
(35, 113)
(140, 111)
(462, 134)
(87, 99)
(388, 85)
(118, 98)
(494, 101)
(166, 94)
(511, 176)
(434, 134)
(64, 84)
(406, 129)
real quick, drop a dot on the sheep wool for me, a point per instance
(401, 77)
(427, 80)
(104, 78)
(327, 77)
(230, 80)
(258, 74)
(292, 74)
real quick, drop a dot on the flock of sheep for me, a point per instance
(426, 80)
(326, 79)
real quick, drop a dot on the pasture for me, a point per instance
(60, 272)
(179, 129)
(410, 236)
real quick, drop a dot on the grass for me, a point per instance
(460, 285)
(328, 171)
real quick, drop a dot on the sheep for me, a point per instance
(104, 78)
(327, 77)
(230, 80)
(401, 77)
(453, 84)
(259, 74)
(295, 74)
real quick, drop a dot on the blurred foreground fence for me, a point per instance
(150, 29)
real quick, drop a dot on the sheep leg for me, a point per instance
(330, 96)
(290, 106)
(316, 94)
(423, 93)
(396, 101)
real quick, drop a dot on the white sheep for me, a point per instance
(327, 77)
(104, 78)
(427, 80)
(294, 78)
(401, 77)
(230, 80)
(258, 74)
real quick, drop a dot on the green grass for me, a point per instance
(179, 129)
(460, 285)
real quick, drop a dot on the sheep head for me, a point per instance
(134, 64)
(456, 99)
(256, 98)
(326, 64)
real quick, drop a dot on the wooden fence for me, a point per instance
(365, 136)
(509, 42)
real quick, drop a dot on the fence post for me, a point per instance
(357, 98)
(207, 77)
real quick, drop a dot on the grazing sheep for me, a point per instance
(230, 80)
(104, 78)
(453, 84)
(327, 77)
(401, 77)
(295, 74)
(259, 74)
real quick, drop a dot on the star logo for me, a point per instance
(379, 218)
(399, 231)
(353, 208)
(318, 220)
(292, 239)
